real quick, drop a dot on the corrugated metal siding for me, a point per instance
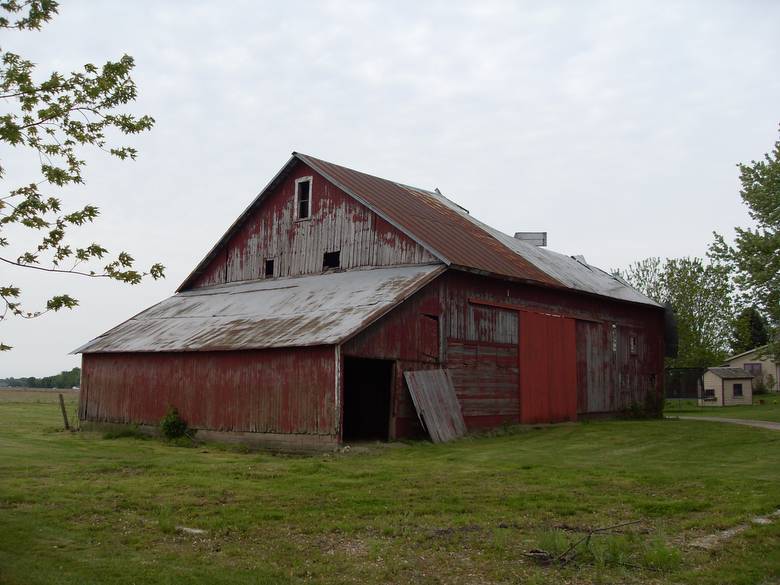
(268, 391)
(338, 222)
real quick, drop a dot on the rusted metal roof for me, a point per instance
(448, 231)
(573, 271)
(300, 311)
(436, 403)
(436, 223)
(451, 234)
(731, 373)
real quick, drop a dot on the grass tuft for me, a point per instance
(130, 432)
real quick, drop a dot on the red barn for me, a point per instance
(296, 329)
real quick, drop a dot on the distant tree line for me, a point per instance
(729, 302)
(61, 380)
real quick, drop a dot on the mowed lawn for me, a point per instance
(80, 508)
(764, 407)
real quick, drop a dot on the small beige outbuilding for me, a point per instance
(726, 387)
(760, 365)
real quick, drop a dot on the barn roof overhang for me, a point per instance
(322, 309)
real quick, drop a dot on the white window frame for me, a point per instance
(310, 181)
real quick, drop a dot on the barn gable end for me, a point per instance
(338, 223)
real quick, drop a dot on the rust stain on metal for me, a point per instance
(437, 224)
(378, 222)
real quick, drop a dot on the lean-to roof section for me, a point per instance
(322, 309)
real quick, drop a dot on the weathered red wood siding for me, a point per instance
(479, 345)
(261, 391)
(337, 222)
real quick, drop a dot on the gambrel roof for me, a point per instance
(451, 234)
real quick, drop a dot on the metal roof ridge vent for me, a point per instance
(440, 194)
(581, 259)
(538, 239)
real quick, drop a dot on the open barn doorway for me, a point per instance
(367, 385)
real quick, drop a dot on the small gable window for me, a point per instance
(331, 260)
(269, 268)
(303, 198)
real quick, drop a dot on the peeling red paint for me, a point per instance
(266, 391)
(338, 222)
(483, 348)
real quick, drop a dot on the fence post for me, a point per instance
(64, 412)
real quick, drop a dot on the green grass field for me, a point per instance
(79, 508)
(769, 410)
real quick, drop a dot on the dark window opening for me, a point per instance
(269, 268)
(367, 394)
(709, 394)
(303, 196)
(331, 260)
(753, 369)
(737, 389)
(632, 345)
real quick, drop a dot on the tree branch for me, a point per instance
(60, 270)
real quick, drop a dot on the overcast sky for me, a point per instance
(614, 126)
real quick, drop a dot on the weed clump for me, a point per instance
(604, 549)
(652, 407)
(172, 424)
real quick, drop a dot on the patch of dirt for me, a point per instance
(711, 541)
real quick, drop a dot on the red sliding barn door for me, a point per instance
(548, 368)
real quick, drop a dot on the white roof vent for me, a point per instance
(533, 238)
